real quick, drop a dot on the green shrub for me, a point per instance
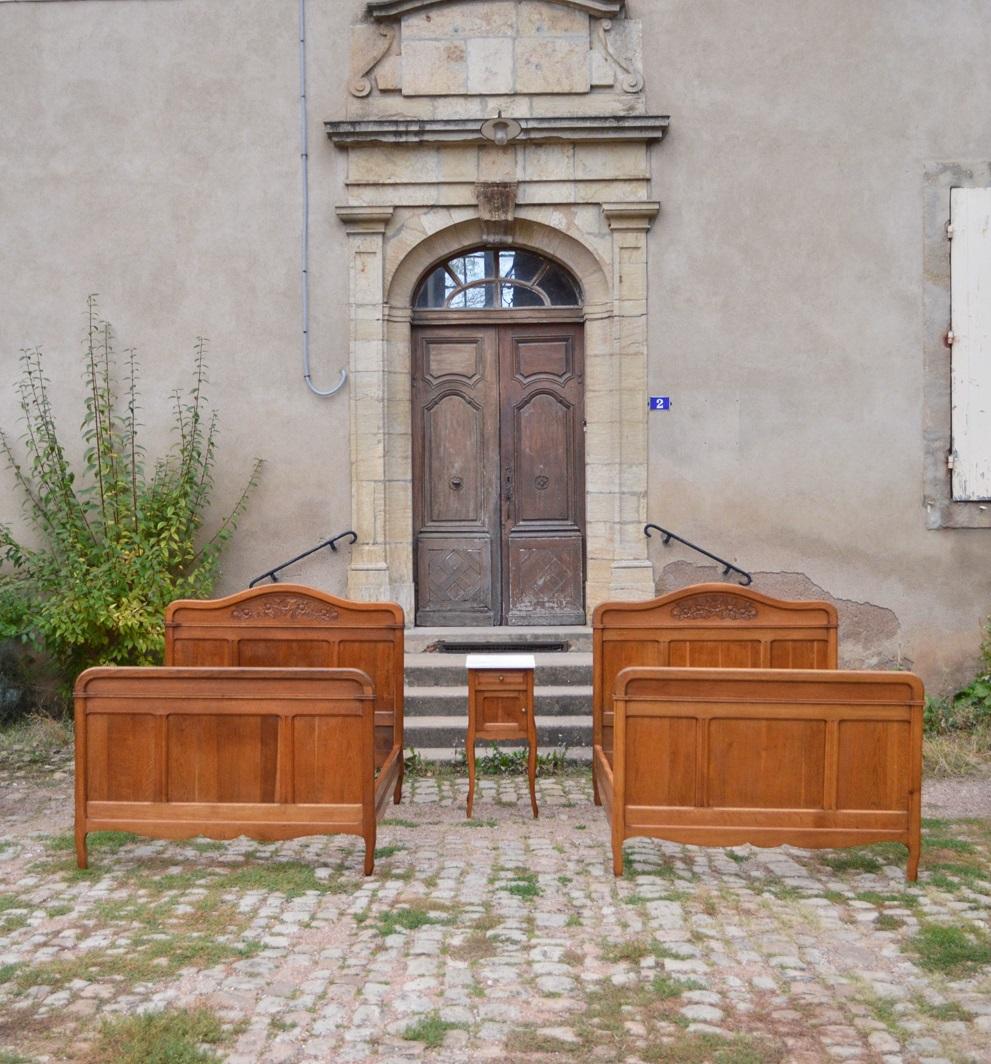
(117, 543)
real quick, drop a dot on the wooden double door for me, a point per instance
(499, 474)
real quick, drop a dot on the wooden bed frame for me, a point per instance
(269, 753)
(293, 626)
(812, 758)
(705, 626)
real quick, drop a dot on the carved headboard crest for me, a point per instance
(714, 607)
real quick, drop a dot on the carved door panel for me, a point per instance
(456, 476)
(541, 375)
(498, 474)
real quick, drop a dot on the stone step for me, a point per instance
(448, 670)
(578, 637)
(447, 732)
(447, 754)
(551, 701)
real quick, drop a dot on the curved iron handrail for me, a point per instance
(728, 567)
(271, 574)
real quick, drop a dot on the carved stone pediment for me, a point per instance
(391, 8)
(453, 48)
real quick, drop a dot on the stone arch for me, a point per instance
(402, 276)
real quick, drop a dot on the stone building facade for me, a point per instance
(748, 200)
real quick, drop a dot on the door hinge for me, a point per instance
(949, 338)
(949, 230)
(949, 461)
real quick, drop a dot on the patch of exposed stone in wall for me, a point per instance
(869, 635)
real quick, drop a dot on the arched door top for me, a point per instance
(503, 278)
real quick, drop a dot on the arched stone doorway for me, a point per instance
(389, 257)
(427, 176)
(498, 441)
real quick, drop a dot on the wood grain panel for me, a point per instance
(766, 764)
(192, 652)
(715, 654)
(452, 358)
(123, 757)
(799, 654)
(454, 438)
(330, 760)
(873, 770)
(661, 767)
(552, 358)
(285, 653)
(544, 428)
(502, 712)
(221, 758)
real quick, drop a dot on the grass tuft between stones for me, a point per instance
(176, 1036)
(431, 1030)
(954, 950)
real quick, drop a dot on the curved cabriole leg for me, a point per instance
(82, 858)
(914, 853)
(531, 771)
(470, 752)
(596, 797)
(369, 855)
(397, 795)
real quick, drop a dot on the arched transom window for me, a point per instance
(497, 279)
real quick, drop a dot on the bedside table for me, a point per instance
(500, 706)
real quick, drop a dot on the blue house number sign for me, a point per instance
(659, 402)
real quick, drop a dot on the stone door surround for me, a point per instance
(423, 184)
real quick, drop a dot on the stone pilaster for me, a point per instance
(368, 576)
(631, 574)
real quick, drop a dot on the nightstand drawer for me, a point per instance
(490, 680)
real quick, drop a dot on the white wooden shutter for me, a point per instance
(970, 301)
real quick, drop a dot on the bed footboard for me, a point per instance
(268, 753)
(812, 758)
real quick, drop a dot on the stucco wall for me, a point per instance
(786, 280)
(149, 152)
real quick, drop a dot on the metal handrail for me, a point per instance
(332, 543)
(728, 567)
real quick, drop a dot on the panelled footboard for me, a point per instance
(812, 758)
(267, 753)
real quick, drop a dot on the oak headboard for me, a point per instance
(715, 626)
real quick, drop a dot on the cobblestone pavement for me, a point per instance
(498, 938)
